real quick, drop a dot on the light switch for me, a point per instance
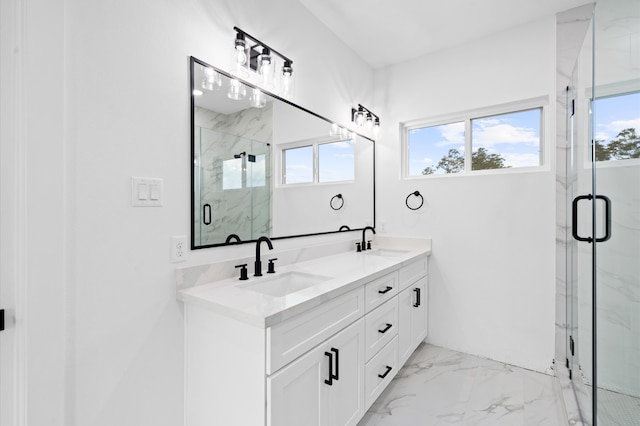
(146, 192)
(154, 191)
(142, 191)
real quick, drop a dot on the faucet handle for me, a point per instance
(358, 247)
(271, 267)
(243, 271)
(369, 245)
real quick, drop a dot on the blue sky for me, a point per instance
(616, 113)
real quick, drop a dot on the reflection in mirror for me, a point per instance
(264, 166)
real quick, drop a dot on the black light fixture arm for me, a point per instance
(259, 43)
(363, 109)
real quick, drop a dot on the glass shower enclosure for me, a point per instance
(603, 258)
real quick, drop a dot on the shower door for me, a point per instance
(605, 173)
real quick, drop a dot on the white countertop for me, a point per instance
(344, 272)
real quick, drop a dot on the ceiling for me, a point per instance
(386, 32)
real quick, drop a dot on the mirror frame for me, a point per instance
(193, 61)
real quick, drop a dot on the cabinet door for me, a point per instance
(295, 393)
(303, 392)
(413, 318)
(345, 399)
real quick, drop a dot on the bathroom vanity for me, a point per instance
(314, 343)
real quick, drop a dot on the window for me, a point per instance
(506, 140)
(320, 162)
(616, 127)
(248, 171)
(335, 161)
(478, 140)
(298, 165)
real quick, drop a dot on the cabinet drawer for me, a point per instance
(381, 325)
(380, 371)
(291, 338)
(412, 272)
(379, 291)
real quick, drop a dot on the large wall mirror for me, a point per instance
(265, 166)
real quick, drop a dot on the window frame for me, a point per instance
(315, 144)
(467, 116)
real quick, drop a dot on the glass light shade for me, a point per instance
(288, 81)
(358, 117)
(369, 122)
(212, 79)
(258, 99)
(266, 69)
(237, 90)
(239, 50)
(335, 130)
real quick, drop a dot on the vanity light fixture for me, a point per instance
(364, 117)
(260, 59)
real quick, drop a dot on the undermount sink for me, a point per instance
(386, 252)
(284, 284)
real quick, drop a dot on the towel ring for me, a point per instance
(417, 194)
(339, 197)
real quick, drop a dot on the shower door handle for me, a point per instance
(206, 214)
(607, 214)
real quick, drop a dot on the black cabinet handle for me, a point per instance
(329, 381)
(386, 290)
(417, 290)
(384, 330)
(337, 375)
(574, 214)
(333, 376)
(206, 214)
(383, 375)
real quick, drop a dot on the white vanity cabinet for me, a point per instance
(323, 387)
(323, 366)
(412, 308)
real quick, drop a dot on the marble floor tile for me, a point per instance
(439, 386)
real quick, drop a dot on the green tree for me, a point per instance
(482, 160)
(453, 162)
(626, 145)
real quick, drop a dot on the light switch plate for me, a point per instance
(146, 192)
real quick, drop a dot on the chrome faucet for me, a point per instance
(258, 262)
(364, 246)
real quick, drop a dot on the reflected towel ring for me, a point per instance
(417, 194)
(339, 197)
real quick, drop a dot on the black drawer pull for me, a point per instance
(384, 330)
(386, 290)
(417, 290)
(382, 376)
(329, 381)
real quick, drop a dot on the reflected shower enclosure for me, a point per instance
(232, 173)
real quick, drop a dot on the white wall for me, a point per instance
(108, 96)
(491, 274)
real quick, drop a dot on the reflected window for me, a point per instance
(298, 165)
(336, 161)
(616, 127)
(232, 174)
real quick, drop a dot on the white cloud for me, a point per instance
(490, 135)
(452, 134)
(609, 131)
(427, 160)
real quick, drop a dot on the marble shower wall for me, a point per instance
(242, 209)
